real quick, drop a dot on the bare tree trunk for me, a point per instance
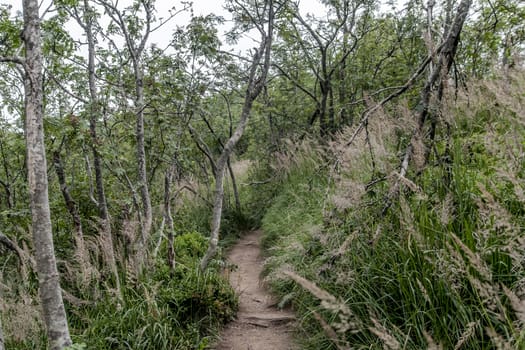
(206, 150)
(141, 153)
(7, 189)
(9, 244)
(323, 123)
(331, 110)
(136, 49)
(108, 249)
(253, 90)
(234, 187)
(48, 277)
(168, 218)
(7, 184)
(343, 89)
(2, 342)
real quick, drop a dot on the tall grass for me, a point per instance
(157, 309)
(176, 312)
(443, 268)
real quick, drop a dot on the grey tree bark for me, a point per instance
(254, 88)
(136, 50)
(94, 110)
(48, 278)
(2, 342)
(228, 163)
(168, 217)
(85, 19)
(87, 23)
(72, 208)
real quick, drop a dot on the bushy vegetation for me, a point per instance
(157, 309)
(438, 266)
(148, 134)
(167, 312)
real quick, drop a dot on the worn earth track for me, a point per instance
(259, 324)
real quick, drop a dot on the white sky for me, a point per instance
(200, 7)
(163, 36)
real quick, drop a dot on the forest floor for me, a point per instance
(260, 325)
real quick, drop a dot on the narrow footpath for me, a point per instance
(259, 324)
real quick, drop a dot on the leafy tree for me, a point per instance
(326, 46)
(136, 32)
(254, 88)
(495, 37)
(48, 277)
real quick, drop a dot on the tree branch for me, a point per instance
(10, 245)
(13, 59)
(400, 91)
(63, 88)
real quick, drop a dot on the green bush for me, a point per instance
(189, 247)
(205, 298)
(176, 311)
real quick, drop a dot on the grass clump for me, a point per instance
(441, 269)
(166, 309)
(158, 308)
(166, 312)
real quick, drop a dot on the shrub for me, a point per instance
(165, 311)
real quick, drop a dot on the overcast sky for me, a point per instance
(200, 7)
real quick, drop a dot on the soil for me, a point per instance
(259, 324)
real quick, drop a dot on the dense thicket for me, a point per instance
(443, 267)
(384, 144)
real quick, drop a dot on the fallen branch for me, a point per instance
(367, 113)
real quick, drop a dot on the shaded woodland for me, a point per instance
(379, 145)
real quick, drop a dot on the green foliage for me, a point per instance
(10, 29)
(189, 247)
(443, 266)
(205, 298)
(482, 48)
(164, 311)
(395, 268)
(35, 341)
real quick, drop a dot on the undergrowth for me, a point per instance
(442, 267)
(157, 309)
(165, 312)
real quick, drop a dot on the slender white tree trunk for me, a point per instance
(141, 153)
(168, 217)
(253, 90)
(136, 44)
(94, 110)
(48, 278)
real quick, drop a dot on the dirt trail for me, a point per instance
(259, 324)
